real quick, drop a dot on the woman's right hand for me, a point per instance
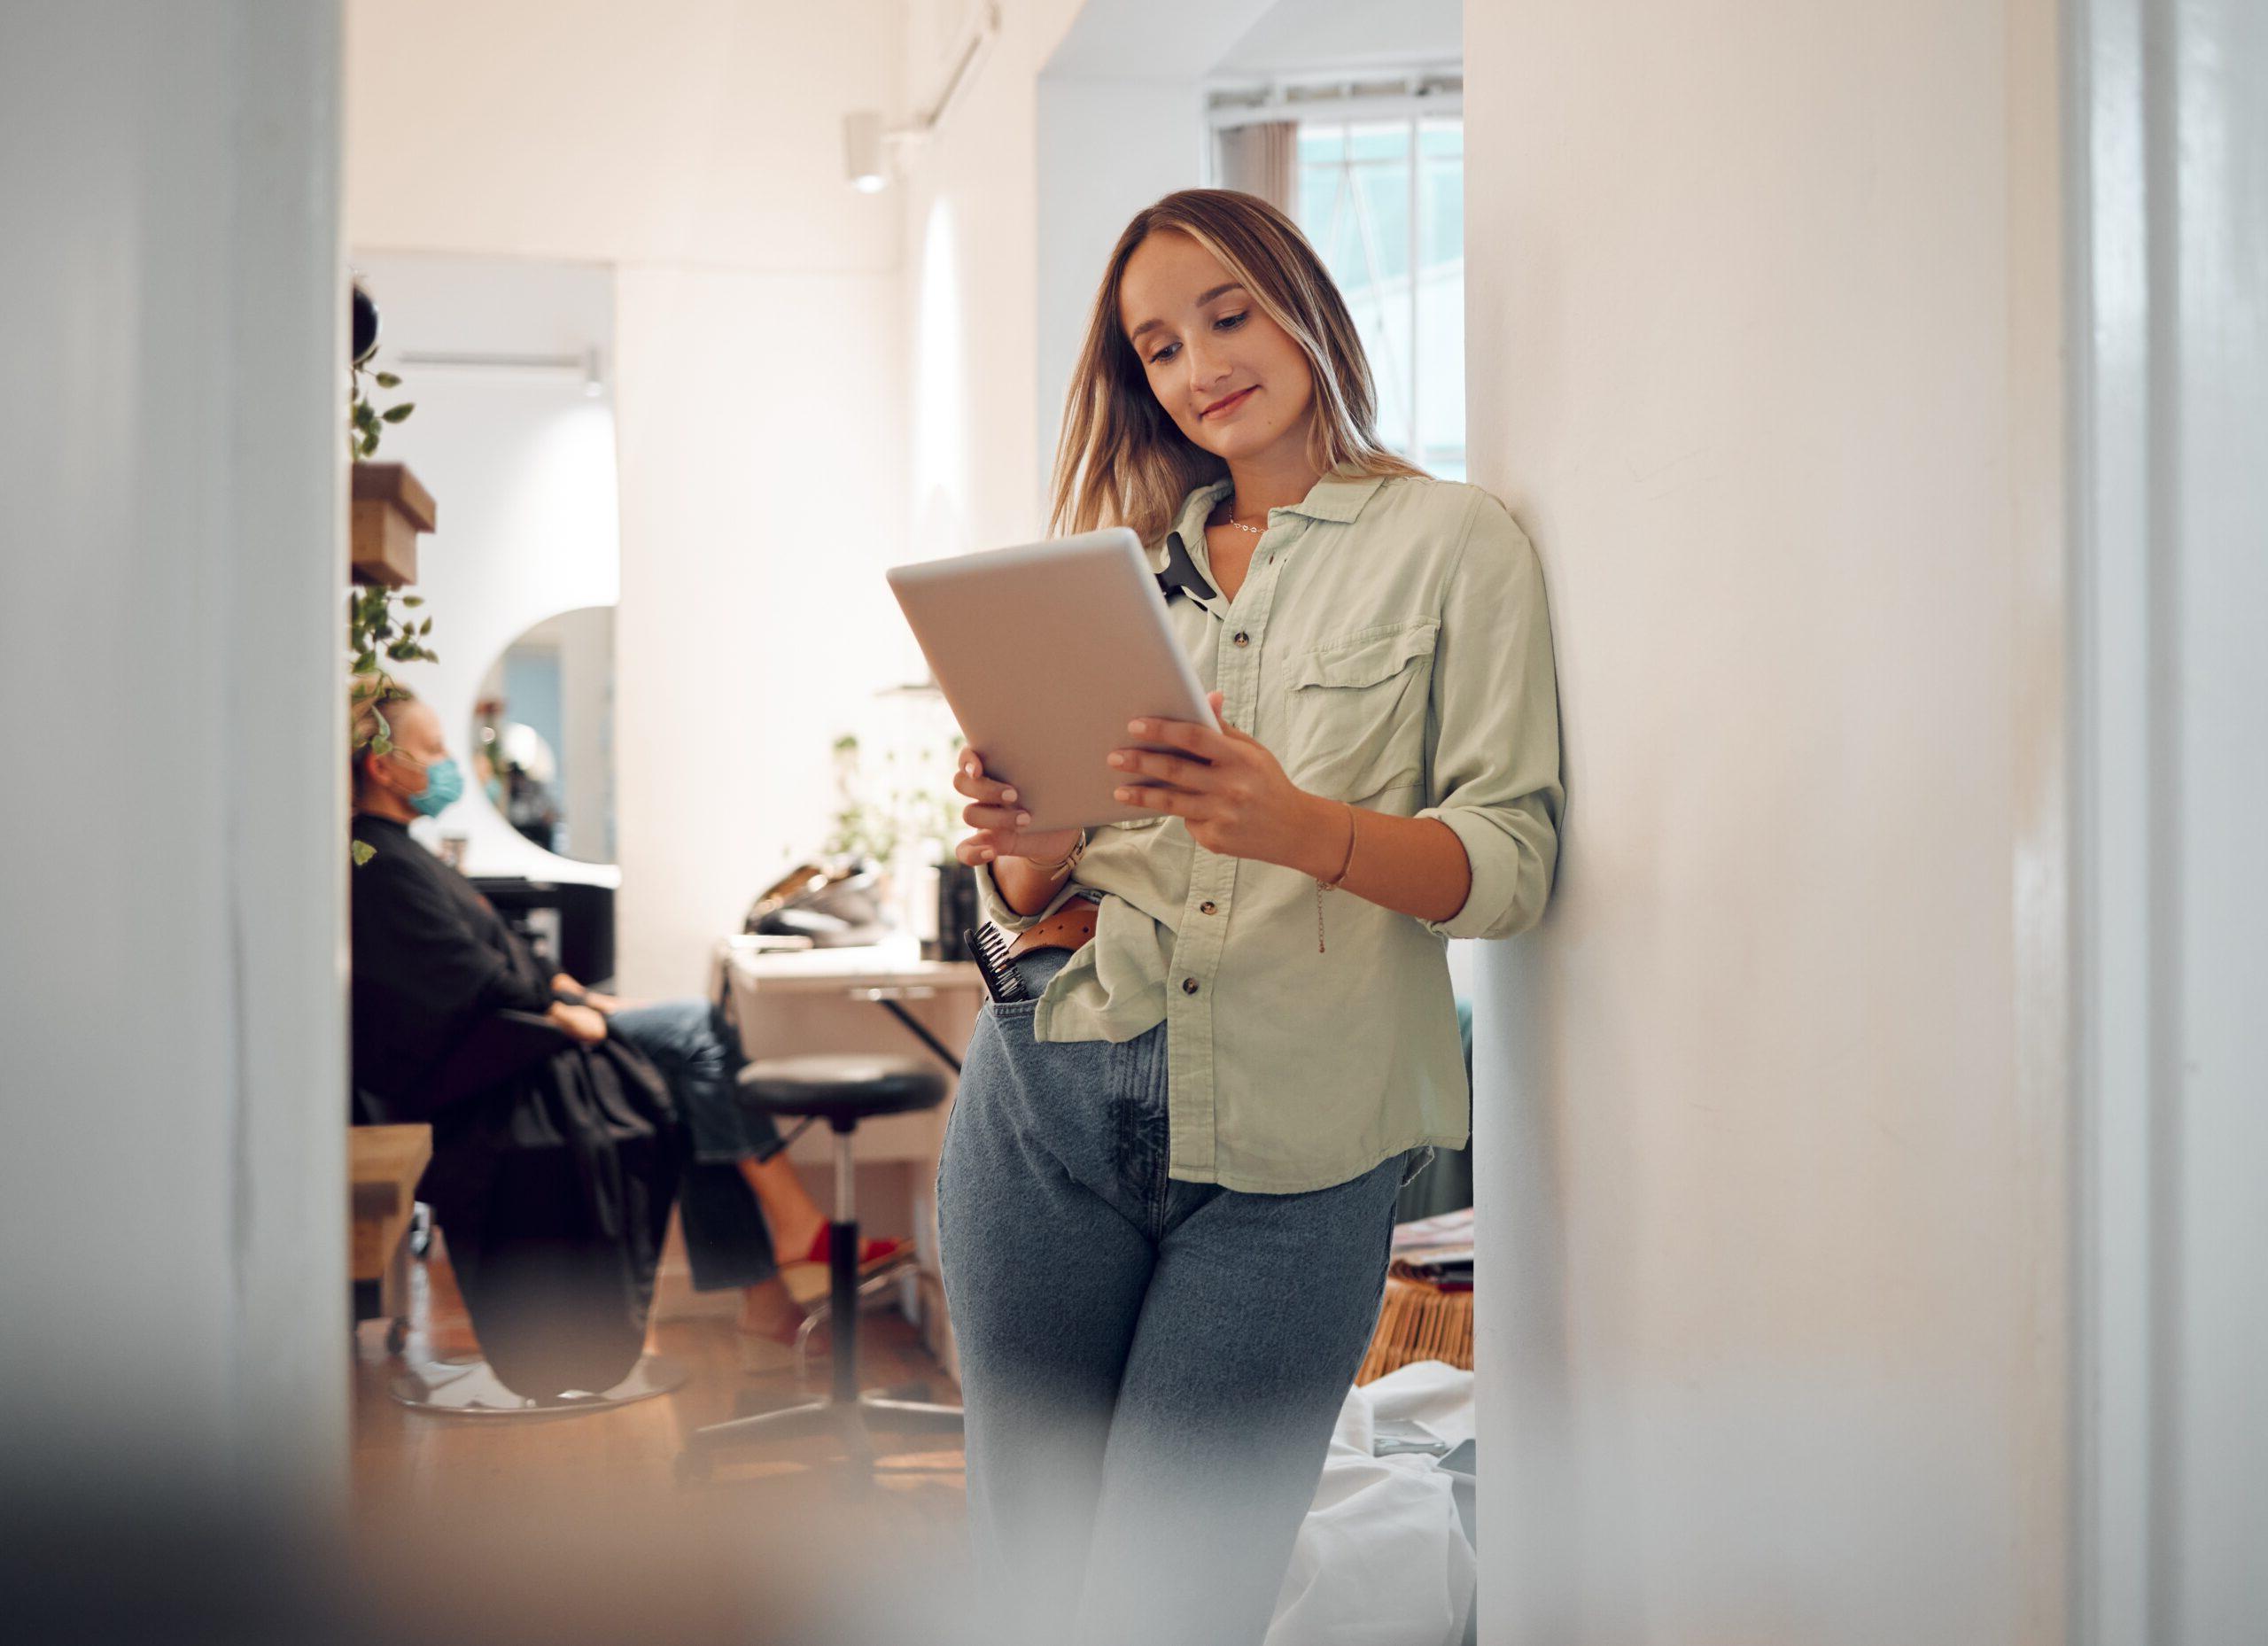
(999, 821)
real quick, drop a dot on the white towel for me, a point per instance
(1382, 1558)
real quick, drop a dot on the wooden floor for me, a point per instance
(463, 1498)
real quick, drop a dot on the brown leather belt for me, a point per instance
(1069, 928)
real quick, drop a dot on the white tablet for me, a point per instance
(1045, 652)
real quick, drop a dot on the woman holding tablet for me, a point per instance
(1169, 1179)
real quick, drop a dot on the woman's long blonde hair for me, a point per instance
(1121, 461)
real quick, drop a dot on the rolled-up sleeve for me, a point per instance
(1495, 706)
(994, 907)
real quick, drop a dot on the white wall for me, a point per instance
(696, 146)
(1770, 1131)
(968, 217)
(172, 920)
(762, 497)
(1106, 148)
(521, 464)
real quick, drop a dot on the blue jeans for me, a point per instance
(1151, 1369)
(700, 1057)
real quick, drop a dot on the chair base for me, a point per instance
(472, 1389)
(849, 1415)
(852, 1423)
(819, 1307)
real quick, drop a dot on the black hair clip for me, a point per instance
(990, 950)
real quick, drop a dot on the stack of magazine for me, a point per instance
(1435, 1251)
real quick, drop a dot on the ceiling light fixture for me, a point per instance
(862, 151)
(868, 144)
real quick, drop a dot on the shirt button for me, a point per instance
(1240, 638)
(1205, 907)
(1188, 985)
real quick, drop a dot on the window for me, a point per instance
(1383, 201)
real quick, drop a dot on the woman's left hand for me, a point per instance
(1226, 786)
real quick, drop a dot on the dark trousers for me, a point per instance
(700, 1057)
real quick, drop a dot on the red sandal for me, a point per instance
(873, 1250)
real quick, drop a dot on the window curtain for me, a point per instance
(1263, 159)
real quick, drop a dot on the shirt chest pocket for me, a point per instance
(1355, 713)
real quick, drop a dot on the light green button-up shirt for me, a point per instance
(1390, 646)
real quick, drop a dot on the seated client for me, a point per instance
(430, 956)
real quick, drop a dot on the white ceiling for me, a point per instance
(1295, 36)
(705, 132)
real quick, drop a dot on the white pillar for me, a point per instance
(172, 853)
(2170, 563)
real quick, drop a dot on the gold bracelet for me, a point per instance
(1333, 884)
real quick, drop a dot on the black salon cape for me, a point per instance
(553, 1187)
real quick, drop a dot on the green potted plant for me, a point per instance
(390, 509)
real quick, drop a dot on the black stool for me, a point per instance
(843, 1090)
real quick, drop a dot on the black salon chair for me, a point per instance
(501, 1046)
(841, 1089)
(495, 1049)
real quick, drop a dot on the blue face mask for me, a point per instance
(444, 785)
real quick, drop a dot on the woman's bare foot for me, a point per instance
(794, 1219)
(790, 1213)
(793, 1239)
(767, 1311)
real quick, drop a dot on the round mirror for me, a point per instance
(543, 734)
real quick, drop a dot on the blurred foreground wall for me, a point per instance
(1763, 330)
(173, 1264)
(1872, 1139)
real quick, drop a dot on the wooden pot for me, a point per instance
(390, 509)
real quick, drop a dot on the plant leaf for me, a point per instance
(361, 851)
(387, 380)
(395, 414)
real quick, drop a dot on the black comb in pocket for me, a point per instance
(989, 951)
